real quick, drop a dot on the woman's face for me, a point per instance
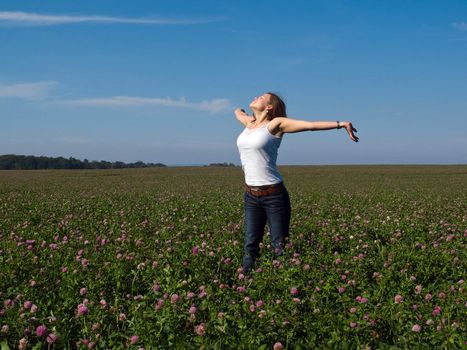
(261, 103)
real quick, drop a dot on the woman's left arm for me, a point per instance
(287, 125)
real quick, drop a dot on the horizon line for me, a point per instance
(226, 162)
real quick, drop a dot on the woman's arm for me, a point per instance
(242, 117)
(287, 125)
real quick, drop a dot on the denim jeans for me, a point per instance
(274, 210)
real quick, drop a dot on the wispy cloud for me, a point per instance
(462, 26)
(27, 91)
(40, 91)
(212, 106)
(35, 19)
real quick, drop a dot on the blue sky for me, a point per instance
(157, 81)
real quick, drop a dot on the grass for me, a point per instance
(140, 247)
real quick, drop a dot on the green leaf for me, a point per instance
(37, 347)
(4, 345)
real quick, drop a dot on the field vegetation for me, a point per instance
(150, 259)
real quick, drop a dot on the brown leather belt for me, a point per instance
(259, 191)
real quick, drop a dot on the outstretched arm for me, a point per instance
(287, 125)
(242, 117)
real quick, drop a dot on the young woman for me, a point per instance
(266, 198)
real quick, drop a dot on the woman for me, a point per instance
(266, 198)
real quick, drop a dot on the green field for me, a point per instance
(149, 258)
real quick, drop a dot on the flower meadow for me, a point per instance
(151, 259)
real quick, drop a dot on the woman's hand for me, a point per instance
(350, 130)
(239, 110)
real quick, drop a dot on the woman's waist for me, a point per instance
(263, 177)
(264, 190)
(265, 187)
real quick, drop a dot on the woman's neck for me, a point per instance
(260, 118)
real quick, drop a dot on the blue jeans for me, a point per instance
(274, 210)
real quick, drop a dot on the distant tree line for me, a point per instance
(13, 161)
(221, 164)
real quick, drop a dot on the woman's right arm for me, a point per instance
(242, 117)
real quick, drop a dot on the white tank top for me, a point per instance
(258, 153)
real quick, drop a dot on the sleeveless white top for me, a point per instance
(258, 153)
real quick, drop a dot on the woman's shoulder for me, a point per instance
(274, 127)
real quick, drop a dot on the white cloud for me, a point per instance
(40, 91)
(460, 26)
(35, 19)
(212, 106)
(27, 91)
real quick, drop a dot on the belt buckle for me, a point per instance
(255, 191)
